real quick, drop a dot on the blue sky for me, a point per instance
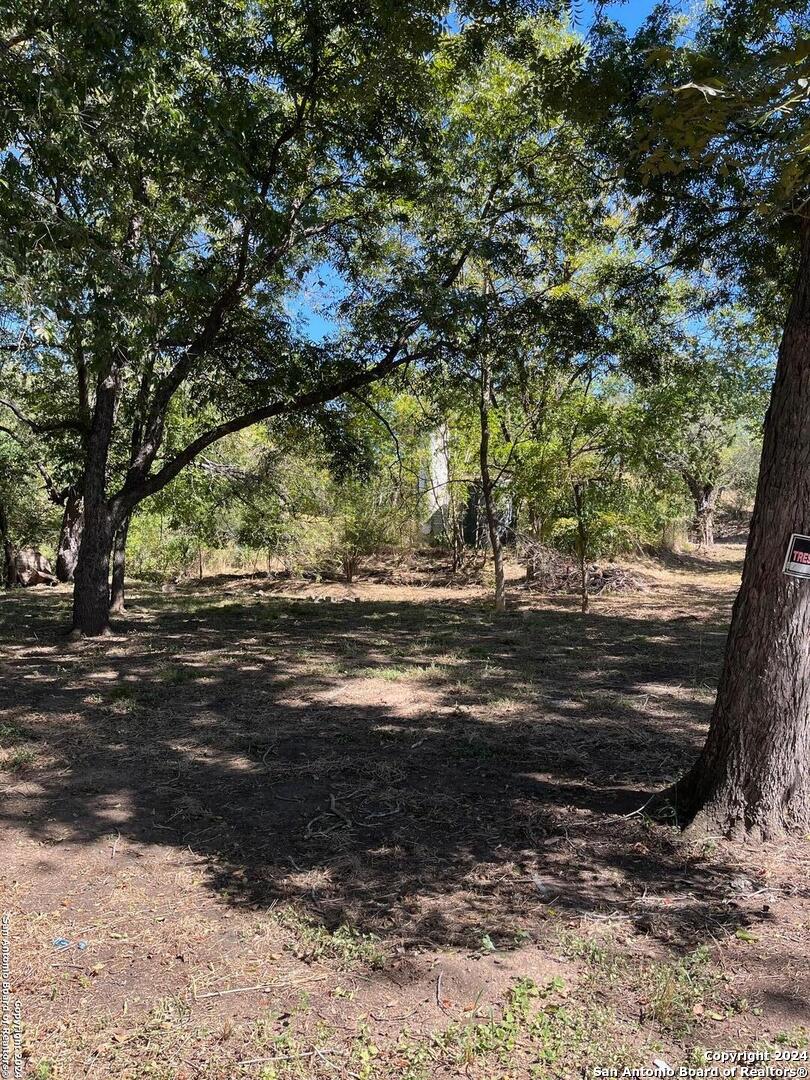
(631, 13)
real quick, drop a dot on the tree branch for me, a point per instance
(43, 429)
(131, 494)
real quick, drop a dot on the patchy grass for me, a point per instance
(391, 673)
(537, 1032)
(797, 1038)
(11, 735)
(533, 1022)
(43, 1070)
(19, 758)
(397, 838)
(176, 674)
(675, 993)
(16, 751)
(345, 945)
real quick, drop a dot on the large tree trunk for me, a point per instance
(91, 592)
(487, 488)
(119, 566)
(753, 776)
(70, 536)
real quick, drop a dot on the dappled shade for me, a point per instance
(414, 770)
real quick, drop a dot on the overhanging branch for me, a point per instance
(131, 494)
(43, 429)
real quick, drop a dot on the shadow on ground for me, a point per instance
(424, 772)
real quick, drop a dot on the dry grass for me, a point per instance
(396, 837)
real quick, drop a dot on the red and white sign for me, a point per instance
(797, 560)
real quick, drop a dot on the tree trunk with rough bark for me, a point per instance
(535, 539)
(582, 549)
(119, 566)
(70, 536)
(753, 775)
(487, 488)
(454, 529)
(704, 496)
(9, 565)
(91, 591)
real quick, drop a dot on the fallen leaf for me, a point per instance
(745, 935)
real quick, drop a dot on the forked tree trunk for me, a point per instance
(753, 775)
(119, 568)
(704, 496)
(70, 536)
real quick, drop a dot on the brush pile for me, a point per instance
(551, 572)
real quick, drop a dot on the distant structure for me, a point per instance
(434, 483)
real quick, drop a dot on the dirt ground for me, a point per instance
(289, 830)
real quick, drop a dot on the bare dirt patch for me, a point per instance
(399, 836)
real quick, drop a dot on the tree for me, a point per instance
(170, 174)
(720, 121)
(704, 402)
(56, 474)
(26, 513)
(515, 185)
(577, 478)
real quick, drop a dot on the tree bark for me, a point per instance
(704, 497)
(91, 591)
(457, 540)
(9, 564)
(453, 524)
(488, 493)
(753, 775)
(70, 536)
(582, 548)
(535, 538)
(119, 561)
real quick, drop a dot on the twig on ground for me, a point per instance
(439, 1001)
(339, 813)
(624, 817)
(262, 988)
(277, 1057)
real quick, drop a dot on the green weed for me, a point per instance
(19, 758)
(346, 945)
